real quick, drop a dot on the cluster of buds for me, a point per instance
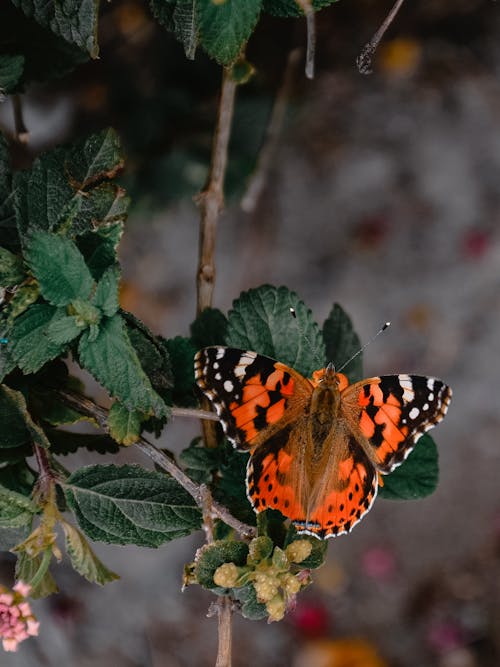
(275, 574)
(16, 618)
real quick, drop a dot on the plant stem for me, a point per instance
(211, 200)
(225, 613)
(85, 406)
(364, 60)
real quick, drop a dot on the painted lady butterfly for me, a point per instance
(317, 445)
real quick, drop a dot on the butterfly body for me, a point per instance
(317, 445)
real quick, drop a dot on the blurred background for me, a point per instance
(382, 193)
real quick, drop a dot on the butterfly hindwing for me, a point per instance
(251, 393)
(394, 411)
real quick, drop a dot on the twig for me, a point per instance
(21, 131)
(195, 413)
(307, 8)
(225, 610)
(211, 200)
(207, 503)
(85, 406)
(268, 150)
(364, 60)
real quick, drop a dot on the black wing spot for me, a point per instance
(330, 508)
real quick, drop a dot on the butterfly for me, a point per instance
(317, 445)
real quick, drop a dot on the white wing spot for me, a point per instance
(414, 412)
(218, 376)
(430, 383)
(425, 406)
(215, 365)
(431, 396)
(220, 353)
(228, 386)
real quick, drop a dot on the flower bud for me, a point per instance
(266, 586)
(298, 551)
(276, 608)
(290, 583)
(226, 575)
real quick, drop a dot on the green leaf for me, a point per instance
(209, 328)
(75, 22)
(63, 329)
(124, 425)
(47, 405)
(18, 477)
(200, 461)
(14, 431)
(26, 568)
(83, 559)
(16, 510)
(103, 205)
(59, 267)
(261, 320)
(11, 71)
(23, 297)
(212, 556)
(113, 362)
(291, 8)
(186, 25)
(30, 345)
(231, 487)
(251, 608)
(130, 505)
(181, 352)
(226, 26)
(99, 248)
(65, 442)
(106, 293)
(417, 477)
(58, 193)
(342, 342)
(11, 269)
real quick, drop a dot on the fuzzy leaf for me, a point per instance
(417, 477)
(83, 559)
(66, 442)
(261, 321)
(47, 405)
(30, 345)
(209, 328)
(186, 25)
(59, 267)
(26, 568)
(113, 362)
(212, 556)
(231, 487)
(63, 329)
(103, 205)
(16, 510)
(75, 22)
(342, 342)
(130, 505)
(11, 269)
(124, 425)
(181, 352)
(18, 477)
(14, 431)
(106, 293)
(152, 353)
(11, 71)
(97, 158)
(226, 26)
(251, 608)
(100, 247)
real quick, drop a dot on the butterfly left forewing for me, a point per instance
(254, 396)
(389, 414)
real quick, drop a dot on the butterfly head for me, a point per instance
(328, 377)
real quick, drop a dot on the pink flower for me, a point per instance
(16, 618)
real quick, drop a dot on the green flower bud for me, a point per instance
(276, 608)
(266, 586)
(298, 551)
(226, 575)
(290, 583)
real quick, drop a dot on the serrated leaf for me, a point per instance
(417, 477)
(30, 345)
(212, 556)
(113, 362)
(200, 462)
(181, 352)
(99, 248)
(342, 342)
(209, 328)
(130, 505)
(18, 477)
(97, 158)
(261, 320)
(26, 568)
(75, 22)
(231, 487)
(103, 205)
(64, 329)
(291, 8)
(48, 406)
(16, 510)
(224, 27)
(11, 269)
(83, 559)
(23, 297)
(185, 19)
(11, 71)
(124, 425)
(65, 442)
(14, 408)
(106, 293)
(59, 267)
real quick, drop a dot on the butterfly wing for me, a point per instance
(254, 396)
(389, 414)
(324, 499)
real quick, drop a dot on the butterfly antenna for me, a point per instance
(385, 326)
